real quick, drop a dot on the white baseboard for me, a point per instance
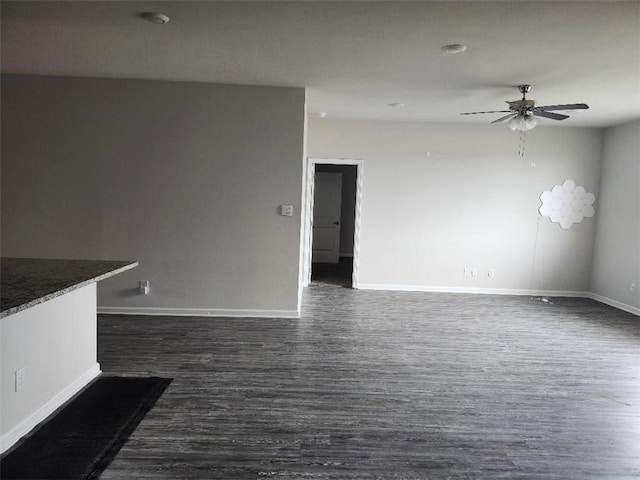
(250, 313)
(33, 420)
(474, 290)
(501, 291)
(200, 312)
(615, 303)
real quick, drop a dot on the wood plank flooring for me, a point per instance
(386, 385)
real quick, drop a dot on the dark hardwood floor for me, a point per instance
(386, 385)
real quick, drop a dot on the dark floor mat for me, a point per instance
(80, 440)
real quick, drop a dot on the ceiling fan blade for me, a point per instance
(506, 117)
(492, 111)
(554, 116)
(570, 106)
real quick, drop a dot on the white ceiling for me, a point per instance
(355, 58)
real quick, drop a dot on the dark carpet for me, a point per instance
(80, 440)
(332, 274)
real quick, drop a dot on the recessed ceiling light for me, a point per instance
(453, 48)
(154, 17)
(396, 105)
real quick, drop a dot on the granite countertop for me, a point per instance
(25, 282)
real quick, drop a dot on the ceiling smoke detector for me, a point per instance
(453, 48)
(154, 17)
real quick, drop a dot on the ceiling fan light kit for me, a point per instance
(522, 123)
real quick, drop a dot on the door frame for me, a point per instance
(308, 215)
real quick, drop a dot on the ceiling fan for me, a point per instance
(523, 113)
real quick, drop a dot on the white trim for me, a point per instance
(615, 303)
(249, 313)
(502, 291)
(302, 273)
(200, 312)
(473, 290)
(33, 420)
(355, 275)
(308, 229)
(308, 223)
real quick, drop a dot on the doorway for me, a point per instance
(332, 222)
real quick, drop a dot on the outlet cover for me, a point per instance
(145, 287)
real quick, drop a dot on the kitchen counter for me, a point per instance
(25, 282)
(48, 337)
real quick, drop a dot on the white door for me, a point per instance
(327, 201)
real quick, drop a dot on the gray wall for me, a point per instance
(439, 197)
(616, 259)
(186, 178)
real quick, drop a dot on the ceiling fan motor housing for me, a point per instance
(522, 106)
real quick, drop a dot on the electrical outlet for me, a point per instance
(632, 288)
(21, 378)
(145, 287)
(491, 273)
(467, 271)
(474, 272)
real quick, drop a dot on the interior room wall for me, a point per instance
(186, 178)
(348, 206)
(441, 197)
(616, 259)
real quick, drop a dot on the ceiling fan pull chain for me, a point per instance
(521, 146)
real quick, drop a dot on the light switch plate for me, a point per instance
(286, 210)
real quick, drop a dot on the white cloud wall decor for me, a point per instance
(567, 204)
